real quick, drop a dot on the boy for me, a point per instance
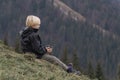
(31, 43)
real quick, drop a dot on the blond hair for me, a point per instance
(32, 20)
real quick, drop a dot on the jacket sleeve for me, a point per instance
(36, 44)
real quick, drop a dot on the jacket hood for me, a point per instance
(27, 31)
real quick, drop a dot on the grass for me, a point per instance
(14, 66)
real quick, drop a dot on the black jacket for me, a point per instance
(31, 42)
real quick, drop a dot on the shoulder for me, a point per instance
(34, 35)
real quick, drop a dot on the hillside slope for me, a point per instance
(78, 17)
(105, 13)
(91, 42)
(15, 66)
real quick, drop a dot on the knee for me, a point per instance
(54, 57)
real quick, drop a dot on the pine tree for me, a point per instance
(118, 73)
(75, 60)
(91, 71)
(99, 72)
(5, 40)
(17, 45)
(65, 55)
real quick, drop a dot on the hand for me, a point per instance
(49, 49)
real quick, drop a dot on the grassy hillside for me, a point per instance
(15, 66)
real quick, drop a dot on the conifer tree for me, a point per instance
(65, 55)
(91, 71)
(17, 45)
(118, 74)
(5, 40)
(75, 60)
(99, 72)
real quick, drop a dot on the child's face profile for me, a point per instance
(36, 26)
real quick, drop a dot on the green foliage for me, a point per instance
(91, 72)
(6, 39)
(65, 56)
(17, 45)
(118, 74)
(99, 72)
(75, 60)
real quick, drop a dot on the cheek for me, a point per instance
(36, 27)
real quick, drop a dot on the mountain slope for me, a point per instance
(78, 17)
(105, 13)
(14, 66)
(91, 42)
